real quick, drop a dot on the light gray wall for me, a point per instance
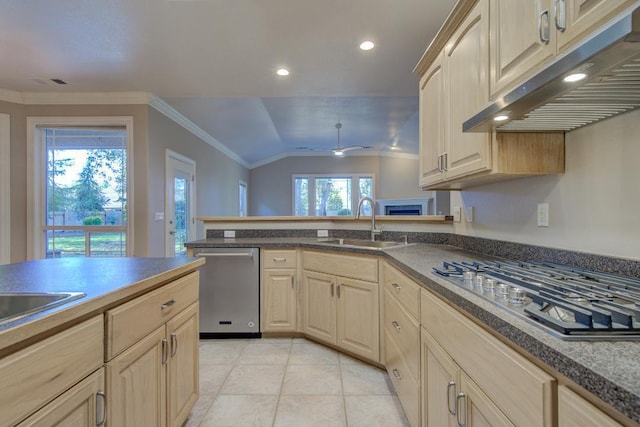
(270, 190)
(217, 176)
(593, 207)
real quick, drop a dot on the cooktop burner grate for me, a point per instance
(573, 303)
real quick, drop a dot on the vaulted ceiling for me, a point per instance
(214, 61)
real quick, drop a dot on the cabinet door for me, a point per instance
(76, 407)
(440, 385)
(517, 40)
(466, 65)
(136, 384)
(476, 407)
(574, 411)
(319, 306)
(432, 124)
(183, 386)
(279, 304)
(581, 17)
(358, 317)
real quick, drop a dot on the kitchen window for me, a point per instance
(81, 203)
(331, 195)
(242, 196)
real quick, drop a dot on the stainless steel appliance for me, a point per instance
(568, 302)
(229, 292)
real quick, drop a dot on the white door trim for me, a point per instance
(5, 188)
(36, 170)
(191, 229)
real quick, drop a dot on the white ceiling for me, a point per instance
(214, 62)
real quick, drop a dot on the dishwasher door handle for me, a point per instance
(228, 254)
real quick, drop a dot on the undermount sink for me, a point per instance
(361, 243)
(16, 305)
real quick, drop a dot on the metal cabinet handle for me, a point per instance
(164, 351)
(543, 26)
(396, 374)
(332, 293)
(168, 304)
(100, 397)
(452, 386)
(463, 397)
(174, 345)
(445, 160)
(396, 325)
(338, 290)
(280, 259)
(293, 281)
(440, 157)
(396, 286)
(561, 15)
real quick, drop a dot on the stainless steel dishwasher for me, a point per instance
(229, 292)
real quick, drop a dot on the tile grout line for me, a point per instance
(286, 366)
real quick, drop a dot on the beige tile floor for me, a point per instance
(290, 382)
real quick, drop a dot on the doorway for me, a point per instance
(180, 203)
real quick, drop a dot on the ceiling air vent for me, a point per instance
(59, 81)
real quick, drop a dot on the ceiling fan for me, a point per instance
(338, 150)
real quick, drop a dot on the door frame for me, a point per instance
(5, 188)
(191, 229)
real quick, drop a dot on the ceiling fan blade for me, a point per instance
(354, 147)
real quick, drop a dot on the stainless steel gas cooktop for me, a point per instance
(568, 302)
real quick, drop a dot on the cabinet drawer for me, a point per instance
(491, 364)
(405, 330)
(355, 267)
(276, 258)
(35, 375)
(131, 321)
(405, 384)
(407, 291)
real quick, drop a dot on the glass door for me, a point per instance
(180, 211)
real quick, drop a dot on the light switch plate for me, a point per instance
(159, 216)
(543, 214)
(229, 234)
(457, 213)
(323, 233)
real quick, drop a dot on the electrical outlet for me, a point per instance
(543, 214)
(469, 212)
(457, 213)
(229, 234)
(323, 233)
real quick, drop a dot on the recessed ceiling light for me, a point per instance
(501, 118)
(282, 72)
(367, 45)
(338, 153)
(394, 147)
(576, 77)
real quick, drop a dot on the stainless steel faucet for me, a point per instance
(374, 230)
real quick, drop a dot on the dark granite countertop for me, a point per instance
(105, 281)
(608, 369)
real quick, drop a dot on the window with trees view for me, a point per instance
(331, 195)
(86, 191)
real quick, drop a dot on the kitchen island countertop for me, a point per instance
(609, 370)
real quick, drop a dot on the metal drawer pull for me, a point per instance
(396, 325)
(396, 374)
(452, 384)
(543, 26)
(396, 286)
(164, 351)
(280, 259)
(174, 345)
(100, 397)
(462, 396)
(168, 304)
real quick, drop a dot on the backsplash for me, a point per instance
(482, 246)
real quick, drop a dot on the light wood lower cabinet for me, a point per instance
(81, 405)
(154, 381)
(574, 411)
(279, 291)
(339, 310)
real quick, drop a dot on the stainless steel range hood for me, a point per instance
(611, 60)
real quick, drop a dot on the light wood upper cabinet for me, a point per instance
(582, 16)
(279, 291)
(432, 123)
(522, 38)
(467, 89)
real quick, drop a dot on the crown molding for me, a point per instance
(85, 98)
(170, 112)
(11, 96)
